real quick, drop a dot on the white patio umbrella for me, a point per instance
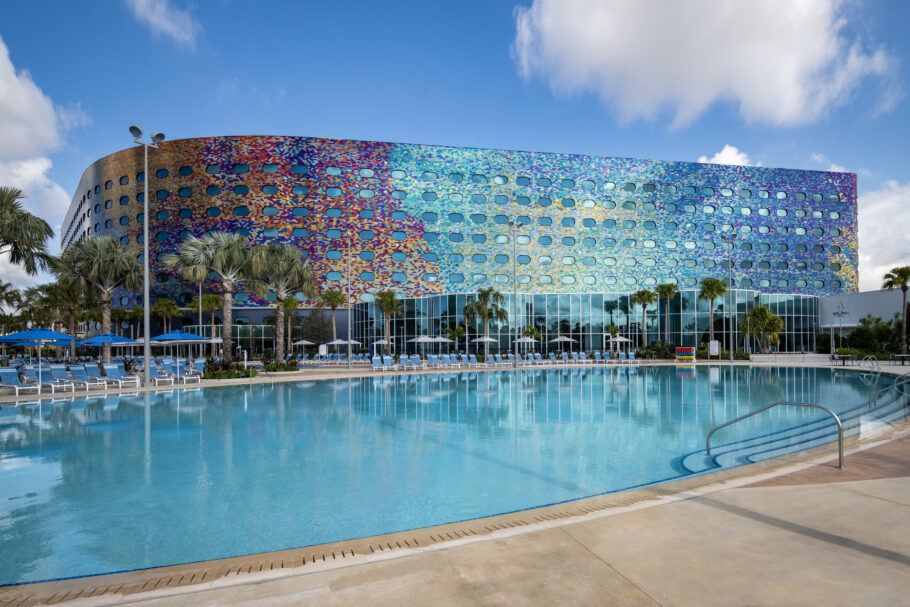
(423, 339)
(303, 342)
(484, 340)
(619, 339)
(527, 340)
(442, 340)
(562, 339)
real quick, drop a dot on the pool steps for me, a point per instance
(892, 407)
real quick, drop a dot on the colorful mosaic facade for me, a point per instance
(420, 219)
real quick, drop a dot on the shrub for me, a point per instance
(274, 367)
(225, 370)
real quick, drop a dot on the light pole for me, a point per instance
(513, 232)
(156, 138)
(841, 312)
(347, 272)
(730, 238)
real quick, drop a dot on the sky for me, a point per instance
(814, 84)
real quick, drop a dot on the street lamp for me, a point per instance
(513, 233)
(156, 138)
(348, 298)
(841, 312)
(730, 238)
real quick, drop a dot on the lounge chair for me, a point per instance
(417, 362)
(178, 372)
(81, 378)
(388, 363)
(553, 358)
(472, 362)
(584, 358)
(60, 378)
(632, 359)
(9, 378)
(565, 358)
(575, 358)
(115, 374)
(377, 363)
(159, 376)
(47, 378)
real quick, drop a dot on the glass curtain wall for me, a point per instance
(587, 319)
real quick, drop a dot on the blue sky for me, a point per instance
(819, 84)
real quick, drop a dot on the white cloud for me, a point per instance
(883, 219)
(781, 62)
(821, 160)
(28, 123)
(30, 126)
(729, 155)
(164, 19)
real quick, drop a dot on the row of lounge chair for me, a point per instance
(63, 378)
(456, 361)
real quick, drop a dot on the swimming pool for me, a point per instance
(98, 485)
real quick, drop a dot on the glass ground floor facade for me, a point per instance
(586, 318)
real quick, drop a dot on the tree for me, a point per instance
(22, 235)
(454, 333)
(644, 298)
(10, 298)
(283, 273)
(105, 265)
(166, 309)
(763, 326)
(389, 305)
(667, 291)
(211, 303)
(488, 304)
(899, 278)
(118, 315)
(69, 299)
(315, 327)
(334, 299)
(711, 289)
(230, 257)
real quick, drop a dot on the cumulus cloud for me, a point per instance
(730, 154)
(780, 62)
(822, 160)
(166, 20)
(28, 122)
(883, 219)
(30, 126)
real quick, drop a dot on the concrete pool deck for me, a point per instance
(793, 531)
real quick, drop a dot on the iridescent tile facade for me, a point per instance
(421, 219)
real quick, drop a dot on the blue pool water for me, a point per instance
(97, 485)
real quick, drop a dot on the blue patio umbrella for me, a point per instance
(177, 338)
(40, 336)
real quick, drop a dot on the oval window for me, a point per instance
(333, 192)
(269, 190)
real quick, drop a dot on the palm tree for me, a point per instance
(230, 257)
(22, 235)
(454, 333)
(899, 278)
(487, 305)
(104, 264)
(282, 272)
(10, 298)
(711, 289)
(334, 299)
(644, 298)
(118, 315)
(388, 303)
(166, 309)
(69, 300)
(763, 326)
(211, 303)
(667, 291)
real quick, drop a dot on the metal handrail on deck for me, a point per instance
(840, 426)
(901, 380)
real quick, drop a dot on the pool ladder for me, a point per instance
(840, 426)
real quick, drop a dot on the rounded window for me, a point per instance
(429, 196)
(124, 180)
(213, 190)
(399, 277)
(241, 168)
(428, 176)
(213, 169)
(270, 211)
(213, 211)
(161, 194)
(300, 169)
(367, 235)
(366, 172)
(333, 171)
(270, 168)
(333, 192)
(299, 233)
(366, 193)
(269, 190)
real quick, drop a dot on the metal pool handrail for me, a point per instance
(840, 426)
(901, 380)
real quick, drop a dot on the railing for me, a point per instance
(873, 363)
(903, 379)
(840, 426)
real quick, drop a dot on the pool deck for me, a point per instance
(793, 531)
